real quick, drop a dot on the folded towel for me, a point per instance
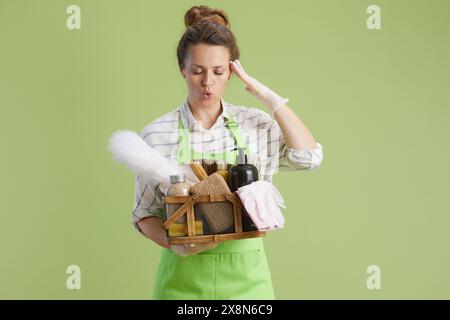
(262, 201)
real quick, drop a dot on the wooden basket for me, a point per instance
(188, 209)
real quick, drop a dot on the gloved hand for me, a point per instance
(185, 250)
(265, 95)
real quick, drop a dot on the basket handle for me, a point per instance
(181, 210)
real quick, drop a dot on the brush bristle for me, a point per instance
(130, 149)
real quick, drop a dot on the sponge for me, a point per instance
(219, 215)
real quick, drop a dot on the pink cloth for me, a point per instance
(263, 201)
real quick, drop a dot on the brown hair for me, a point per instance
(207, 26)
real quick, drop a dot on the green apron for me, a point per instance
(234, 269)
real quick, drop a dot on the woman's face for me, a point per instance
(207, 69)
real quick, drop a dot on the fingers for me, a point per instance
(239, 64)
(179, 249)
(237, 68)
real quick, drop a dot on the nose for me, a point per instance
(207, 80)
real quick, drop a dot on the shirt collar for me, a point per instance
(189, 121)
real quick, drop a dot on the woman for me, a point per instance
(207, 56)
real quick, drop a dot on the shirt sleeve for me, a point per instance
(299, 159)
(280, 157)
(147, 202)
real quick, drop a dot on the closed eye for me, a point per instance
(219, 74)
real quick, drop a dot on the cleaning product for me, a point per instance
(243, 174)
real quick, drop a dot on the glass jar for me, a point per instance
(179, 187)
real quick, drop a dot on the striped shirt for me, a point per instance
(268, 150)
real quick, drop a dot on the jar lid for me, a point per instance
(177, 178)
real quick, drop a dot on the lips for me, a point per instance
(207, 94)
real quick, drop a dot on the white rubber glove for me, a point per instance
(265, 95)
(185, 250)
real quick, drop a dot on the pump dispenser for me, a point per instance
(242, 173)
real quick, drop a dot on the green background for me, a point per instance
(378, 102)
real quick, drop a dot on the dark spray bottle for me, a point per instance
(241, 174)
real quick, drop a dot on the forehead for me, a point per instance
(208, 56)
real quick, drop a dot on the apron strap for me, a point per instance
(238, 137)
(183, 143)
(185, 151)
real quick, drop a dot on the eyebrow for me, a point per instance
(197, 65)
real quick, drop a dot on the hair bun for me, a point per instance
(199, 14)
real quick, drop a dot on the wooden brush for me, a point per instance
(198, 170)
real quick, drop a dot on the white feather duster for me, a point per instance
(130, 149)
